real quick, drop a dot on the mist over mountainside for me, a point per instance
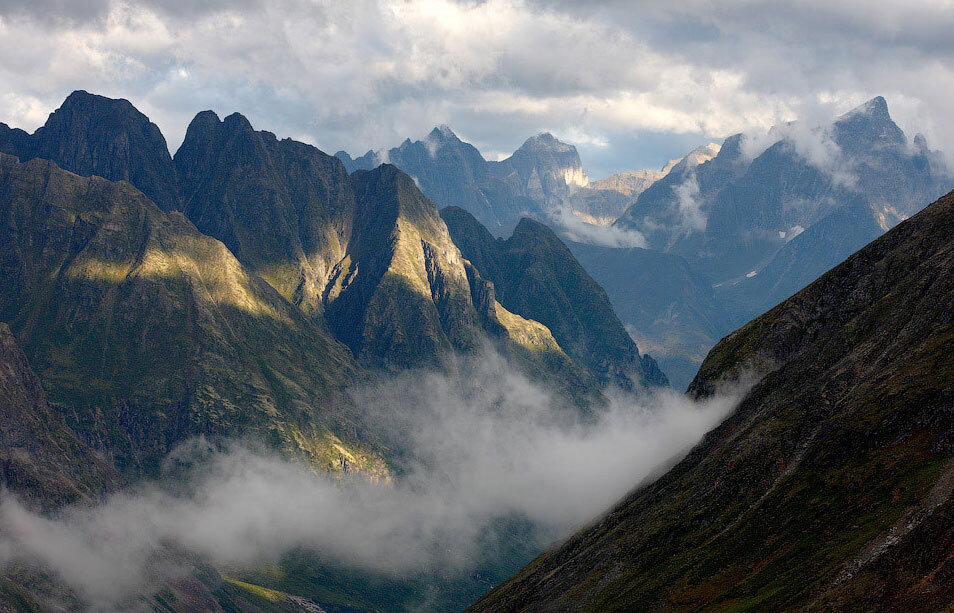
(832, 485)
(598, 307)
(486, 478)
(269, 287)
(144, 332)
(634, 182)
(732, 214)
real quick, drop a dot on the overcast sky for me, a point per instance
(631, 84)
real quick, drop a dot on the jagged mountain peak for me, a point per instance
(530, 228)
(876, 108)
(107, 137)
(703, 153)
(546, 141)
(874, 111)
(81, 98)
(443, 132)
(669, 165)
(237, 121)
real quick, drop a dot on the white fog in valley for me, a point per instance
(487, 444)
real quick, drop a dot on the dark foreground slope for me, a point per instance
(831, 486)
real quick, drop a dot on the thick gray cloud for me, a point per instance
(613, 77)
(485, 444)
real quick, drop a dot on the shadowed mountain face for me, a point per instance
(284, 208)
(41, 459)
(536, 276)
(758, 230)
(668, 308)
(401, 294)
(145, 332)
(370, 249)
(830, 488)
(446, 168)
(664, 212)
(366, 255)
(92, 135)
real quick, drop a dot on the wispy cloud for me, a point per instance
(575, 228)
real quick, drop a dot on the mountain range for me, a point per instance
(732, 229)
(240, 289)
(542, 178)
(244, 286)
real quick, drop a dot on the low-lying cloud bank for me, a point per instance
(578, 229)
(483, 445)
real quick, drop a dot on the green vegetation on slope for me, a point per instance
(145, 332)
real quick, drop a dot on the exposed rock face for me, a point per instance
(543, 168)
(284, 208)
(368, 254)
(92, 135)
(830, 488)
(145, 332)
(401, 293)
(631, 183)
(760, 229)
(367, 258)
(663, 212)
(536, 276)
(41, 460)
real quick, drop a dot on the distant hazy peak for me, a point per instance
(702, 154)
(876, 108)
(545, 141)
(631, 183)
(442, 132)
(669, 165)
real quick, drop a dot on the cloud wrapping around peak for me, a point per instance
(485, 444)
